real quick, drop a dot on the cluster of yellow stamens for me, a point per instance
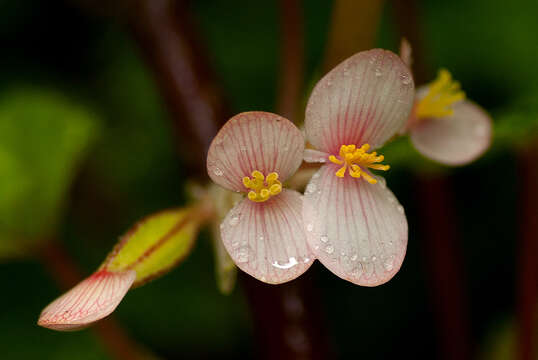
(443, 92)
(358, 160)
(262, 188)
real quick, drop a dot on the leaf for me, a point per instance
(156, 243)
(43, 138)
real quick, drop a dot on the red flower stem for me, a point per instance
(291, 58)
(408, 20)
(444, 264)
(113, 337)
(527, 281)
(165, 32)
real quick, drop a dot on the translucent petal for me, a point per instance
(92, 299)
(365, 99)
(267, 239)
(254, 141)
(454, 140)
(356, 229)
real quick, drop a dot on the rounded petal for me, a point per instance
(267, 239)
(254, 141)
(365, 99)
(89, 301)
(454, 140)
(356, 229)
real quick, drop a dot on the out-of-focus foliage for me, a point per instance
(43, 137)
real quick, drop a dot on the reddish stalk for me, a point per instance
(164, 32)
(527, 281)
(443, 254)
(64, 271)
(291, 58)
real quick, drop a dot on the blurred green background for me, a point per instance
(87, 149)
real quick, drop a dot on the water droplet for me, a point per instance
(378, 72)
(235, 244)
(261, 238)
(217, 171)
(329, 249)
(316, 247)
(343, 254)
(354, 257)
(357, 272)
(389, 264)
(234, 219)
(310, 188)
(242, 254)
(324, 238)
(400, 208)
(286, 265)
(374, 258)
(310, 227)
(373, 59)
(406, 79)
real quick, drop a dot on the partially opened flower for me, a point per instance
(254, 153)
(354, 224)
(443, 125)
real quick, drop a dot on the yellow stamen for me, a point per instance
(358, 160)
(262, 188)
(443, 92)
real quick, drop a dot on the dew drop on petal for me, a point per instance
(217, 171)
(324, 238)
(400, 208)
(234, 220)
(374, 258)
(309, 227)
(378, 72)
(242, 254)
(389, 264)
(310, 188)
(354, 257)
(406, 80)
(329, 249)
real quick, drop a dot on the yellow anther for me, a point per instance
(358, 161)
(262, 188)
(443, 92)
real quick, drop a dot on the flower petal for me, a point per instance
(267, 239)
(315, 156)
(454, 140)
(356, 229)
(365, 99)
(254, 141)
(89, 301)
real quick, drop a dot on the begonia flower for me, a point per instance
(354, 224)
(443, 125)
(254, 153)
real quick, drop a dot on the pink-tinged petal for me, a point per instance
(454, 140)
(356, 229)
(267, 239)
(365, 99)
(254, 141)
(89, 301)
(315, 156)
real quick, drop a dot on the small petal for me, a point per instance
(456, 139)
(365, 99)
(356, 229)
(315, 156)
(91, 300)
(406, 52)
(267, 240)
(254, 141)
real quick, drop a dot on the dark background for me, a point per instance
(131, 168)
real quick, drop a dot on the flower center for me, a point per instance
(262, 188)
(442, 94)
(358, 160)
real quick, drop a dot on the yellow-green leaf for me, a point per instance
(156, 243)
